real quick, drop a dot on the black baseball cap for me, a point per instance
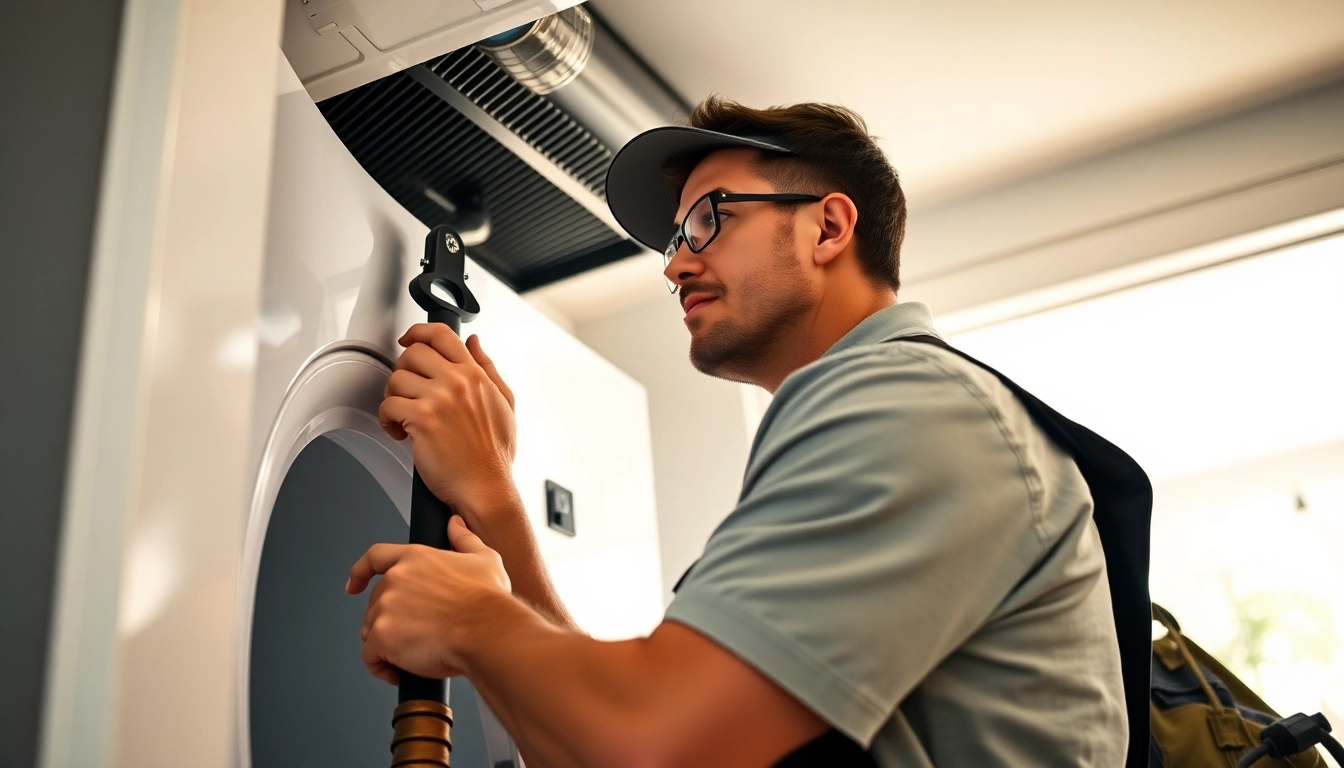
(637, 191)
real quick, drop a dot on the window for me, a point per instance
(1227, 385)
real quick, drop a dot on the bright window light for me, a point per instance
(1227, 385)
(1214, 368)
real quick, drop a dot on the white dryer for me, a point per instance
(339, 255)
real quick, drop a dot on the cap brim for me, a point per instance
(637, 191)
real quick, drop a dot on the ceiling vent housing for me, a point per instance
(509, 141)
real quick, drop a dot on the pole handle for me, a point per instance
(429, 526)
(423, 722)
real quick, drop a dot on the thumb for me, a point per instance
(461, 537)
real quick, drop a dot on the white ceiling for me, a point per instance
(964, 95)
(966, 92)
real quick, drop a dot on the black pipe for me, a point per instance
(422, 722)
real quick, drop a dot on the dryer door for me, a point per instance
(330, 484)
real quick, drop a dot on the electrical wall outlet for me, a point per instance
(559, 508)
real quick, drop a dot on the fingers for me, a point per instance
(373, 608)
(429, 344)
(424, 360)
(387, 673)
(461, 537)
(405, 383)
(438, 336)
(378, 666)
(375, 561)
(393, 413)
(488, 365)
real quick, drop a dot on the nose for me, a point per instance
(683, 266)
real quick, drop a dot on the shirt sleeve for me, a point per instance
(886, 512)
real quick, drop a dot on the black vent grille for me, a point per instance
(410, 140)
(534, 118)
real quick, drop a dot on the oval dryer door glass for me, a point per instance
(311, 700)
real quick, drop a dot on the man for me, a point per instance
(911, 564)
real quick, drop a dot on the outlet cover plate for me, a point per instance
(559, 508)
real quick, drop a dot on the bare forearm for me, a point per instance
(672, 699)
(569, 700)
(502, 524)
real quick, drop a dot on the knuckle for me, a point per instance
(435, 401)
(380, 627)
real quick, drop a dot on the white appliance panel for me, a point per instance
(339, 255)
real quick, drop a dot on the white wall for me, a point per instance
(581, 423)
(697, 425)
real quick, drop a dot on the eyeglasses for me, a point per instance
(701, 224)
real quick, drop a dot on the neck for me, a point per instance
(836, 314)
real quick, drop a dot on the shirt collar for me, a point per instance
(909, 318)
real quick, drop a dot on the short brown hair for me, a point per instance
(832, 152)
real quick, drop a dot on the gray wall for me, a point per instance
(58, 61)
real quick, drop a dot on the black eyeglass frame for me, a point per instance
(717, 197)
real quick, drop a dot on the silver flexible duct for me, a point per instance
(548, 53)
(608, 89)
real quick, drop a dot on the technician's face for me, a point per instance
(747, 290)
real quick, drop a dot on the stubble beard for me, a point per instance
(737, 348)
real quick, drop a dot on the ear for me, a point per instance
(838, 217)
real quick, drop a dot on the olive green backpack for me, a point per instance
(1202, 716)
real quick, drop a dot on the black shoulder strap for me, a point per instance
(1122, 507)
(831, 749)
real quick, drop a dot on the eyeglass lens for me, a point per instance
(699, 227)
(701, 224)
(667, 259)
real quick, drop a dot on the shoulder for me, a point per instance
(916, 383)
(913, 415)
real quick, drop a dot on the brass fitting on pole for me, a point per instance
(422, 734)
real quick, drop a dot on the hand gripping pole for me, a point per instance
(422, 723)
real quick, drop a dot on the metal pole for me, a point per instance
(422, 723)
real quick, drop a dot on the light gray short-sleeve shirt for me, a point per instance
(915, 561)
